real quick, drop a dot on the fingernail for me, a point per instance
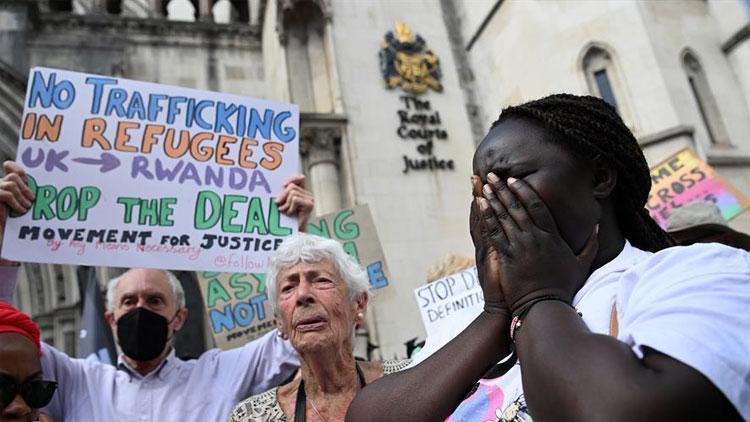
(492, 178)
(596, 228)
(512, 180)
(487, 189)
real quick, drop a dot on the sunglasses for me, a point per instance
(35, 393)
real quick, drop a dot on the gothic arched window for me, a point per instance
(704, 99)
(603, 80)
(599, 70)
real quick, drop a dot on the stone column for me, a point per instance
(338, 102)
(204, 10)
(16, 18)
(156, 9)
(320, 147)
(253, 7)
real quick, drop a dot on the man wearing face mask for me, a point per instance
(145, 308)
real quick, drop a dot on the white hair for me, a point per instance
(179, 293)
(307, 248)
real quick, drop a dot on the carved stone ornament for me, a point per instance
(320, 144)
(405, 63)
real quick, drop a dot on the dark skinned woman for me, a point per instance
(22, 391)
(608, 322)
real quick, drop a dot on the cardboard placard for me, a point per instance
(355, 228)
(237, 306)
(129, 173)
(683, 178)
(449, 304)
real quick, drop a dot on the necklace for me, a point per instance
(300, 407)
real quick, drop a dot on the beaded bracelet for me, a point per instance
(520, 312)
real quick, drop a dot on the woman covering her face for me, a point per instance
(22, 391)
(319, 294)
(607, 320)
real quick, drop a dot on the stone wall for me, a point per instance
(421, 215)
(531, 49)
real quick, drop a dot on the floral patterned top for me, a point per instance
(265, 408)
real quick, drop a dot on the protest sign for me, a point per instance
(237, 306)
(130, 173)
(684, 178)
(355, 228)
(450, 304)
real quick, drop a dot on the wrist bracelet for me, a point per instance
(520, 312)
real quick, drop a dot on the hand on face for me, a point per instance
(534, 260)
(487, 256)
(295, 200)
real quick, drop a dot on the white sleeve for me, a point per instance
(693, 304)
(68, 373)
(257, 366)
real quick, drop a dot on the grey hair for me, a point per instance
(307, 248)
(179, 293)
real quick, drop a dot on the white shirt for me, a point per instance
(690, 303)
(201, 390)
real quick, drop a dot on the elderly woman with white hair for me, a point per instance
(318, 294)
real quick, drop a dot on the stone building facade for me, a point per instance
(678, 71)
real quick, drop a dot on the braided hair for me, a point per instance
(591, 129)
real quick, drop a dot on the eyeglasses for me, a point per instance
(35, 393)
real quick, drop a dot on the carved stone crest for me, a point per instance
(406, 63)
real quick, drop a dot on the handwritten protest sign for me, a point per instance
(237, 305)
(683, 178)
(355, 228)
(448, 303)
(130, 173)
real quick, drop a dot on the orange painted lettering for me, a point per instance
(47, 129)
(149, 137)
(182, 147)
(29, 124)
(273, 150)
(198, 152)
(93, 131)
(122, 138)
(222, 150)
(246, 151)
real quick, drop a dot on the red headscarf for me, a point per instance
(14, 321)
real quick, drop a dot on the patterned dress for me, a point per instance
(265, 408)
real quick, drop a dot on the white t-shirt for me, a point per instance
(691, 303)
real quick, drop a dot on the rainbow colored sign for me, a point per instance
(684, 178)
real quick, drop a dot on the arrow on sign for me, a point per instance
(107, 161)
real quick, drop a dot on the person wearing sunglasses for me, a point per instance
(22, 390)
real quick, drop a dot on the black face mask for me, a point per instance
(142, 334)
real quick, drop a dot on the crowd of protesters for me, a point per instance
(592, 311)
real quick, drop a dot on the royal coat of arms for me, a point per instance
(406, 63)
